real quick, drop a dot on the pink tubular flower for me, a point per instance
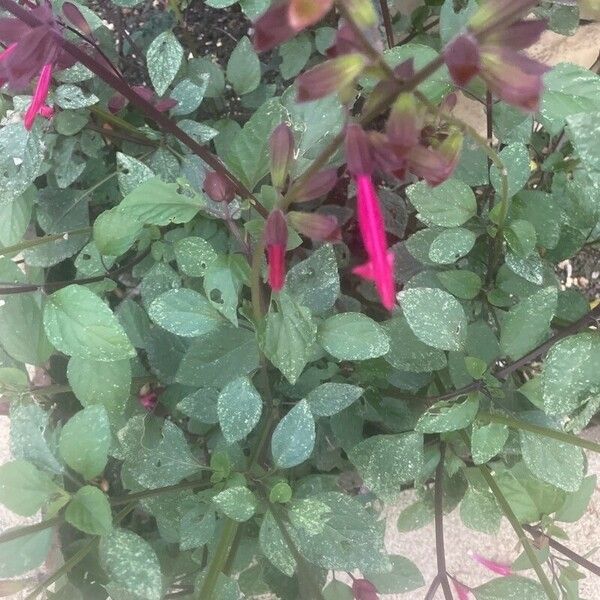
(496, 567)
(276, 236)
(148, 398)
(462, 590)
(38, 104)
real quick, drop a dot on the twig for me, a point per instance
(137, 496)
(439, 525)
(14, 534)
(577, 558)
(433, 588)
(387, 23)
(413, 34)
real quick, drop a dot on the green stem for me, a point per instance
(24, 245)
(560, 436)
(137, 496)
(512, 519)
(219, 560)
(14, 534)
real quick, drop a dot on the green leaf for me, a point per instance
(315, 282)
(95, 382)
(415, 516)
(132, 566)
(25, 553)
(448, 416)
(248, 154)
(223, 282)
(353, 336)
(15, 217)
(243, 68)
(280, 493)
(294, 55)
(435, 317)
(131, 173)
(184, 312)
(115, 232)
(576, 503)
(528, 323)
(404, 577)
(448, 205)
(289, 336)
(571, 374)
(85, 440)
(294, 437)
(478, 508)
(218, 357)
(487, 441)
(194, 255)
(274, 547)
(79, 324)
(516, 161)
(553, 461)
(200, 68)
(163, 58)
(189, 95)
(451, 22)
(155, 202)
(512, 586)
(584, 134)
(197, 528)
(385, 462)
(89, 511)
(24, 489)
(451, 244)
(465, 285)
(201, 405)
(337, 590)
(521, 237)
(70, 96)
(239, 407)
(331, 398)
(568, 90)
(238, 503)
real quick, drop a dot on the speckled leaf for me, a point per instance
(189, 95)
(571, 373)
(184, 312)
(15, 217)
(353, 336)
(95, 382)
(553, 461)
(516, 161)
(576, 504)
(487, 441)
(201, 405)
(274, 547)
(219, 357)
(528, 323)
(289, 335)
(131, 173)
(89, 511)
(24, 489)
(478, 508)
(159, 279)
(448, 415)
(194, 255)
(385, 462)
(238, 503)
(163, 58)
(223, 281)
(510, 588)
(583, 131)
(239, 407)
(448, 205)
(450, 245)
(435, 317)
(331, 398)
(115, 232)
(465, 285)
(404, 577)
(197, 528)
(294, 437)
(132, 565)
(521, 237)
(243, 68)
(85, 440)
(408, 352)
(69, 96)
(315, 282)
(24, 554)
(530, 267)
(294, 55)
(79, 324)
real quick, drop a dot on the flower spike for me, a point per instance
(276, 236)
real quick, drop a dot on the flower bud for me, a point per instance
(218, 188)
(276, 237)
(117, 103)
(359, 158)
(363, 12)
(74, 16)
(462, 58)
(331, 76)
(499, 13)
(281, 144)
(319, 185)
(315, 226)
(435, 165)
(404, 124)
(165, 104)
(273, 28)
(304, 13)
(363, 589)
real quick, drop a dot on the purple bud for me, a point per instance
(218, 188)
(319, 185)
(281, 144)
(315, 226)
(462, 58)
(74, 16)
(165, 104)
(404, 124)
(273, 28)
(363, 589)
(304, 13)
(117, 103)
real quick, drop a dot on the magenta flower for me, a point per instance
(510, 75)
(462, 590)
(38, 104)
(276, 236)
(496, 567)
(148, 399)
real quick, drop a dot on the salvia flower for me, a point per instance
(404, 124)
(32, 52)
(281, 146)
(276, 237)
(436, 164)
(148, 398)
(462, 591)
(218, 188)
(282, 21)
(491, 49)
(496, 567)
(380, 265)
(363, 589)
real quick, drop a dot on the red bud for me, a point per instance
(462, 58)
(281, 145)
(218, 188)
(303, 13)
(363, 589)
(74, 16)
(276, 236)
(319, 185)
